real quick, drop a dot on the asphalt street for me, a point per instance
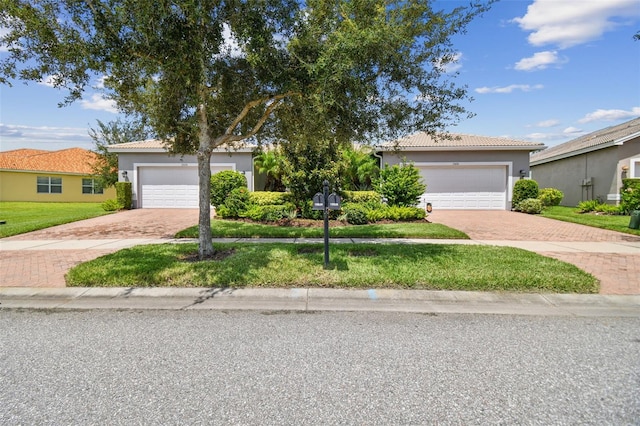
(316, 368)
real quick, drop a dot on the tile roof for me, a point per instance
(72, 160)
(590, 142)
(458, 141)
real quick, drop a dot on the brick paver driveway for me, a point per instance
(46, 268)
(618, 273)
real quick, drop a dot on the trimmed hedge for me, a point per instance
(530, 206)
(268, 198)
(124, 194)
(222, 183)
(630, 195)
(550, 196)
(524, 189)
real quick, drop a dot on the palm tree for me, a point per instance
(361, 168)
(269, 163)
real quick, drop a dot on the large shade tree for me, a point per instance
(210, 73)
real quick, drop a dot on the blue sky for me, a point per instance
(538, 70)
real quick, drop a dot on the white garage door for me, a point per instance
(465, 187)
(164, 187)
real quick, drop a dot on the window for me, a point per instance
(91, 186)
(49, 185)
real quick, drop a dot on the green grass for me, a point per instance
(570, 214)
(24, 217)
(233, 229)
(425, 266)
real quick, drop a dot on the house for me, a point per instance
(50, 176)
(592, 166)
(464, 172)
(164, 180)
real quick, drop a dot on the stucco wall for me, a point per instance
(603, 166)
(127, 160)
(519, 159)
(23, 186)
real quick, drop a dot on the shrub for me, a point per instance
(123, 194)
(361, 197)
(111, 205)
(222, 183)
(400, 185)
(355, 214)
(268, 198)
(609, 209)
(630, 195)
(223, 212)
(530, 206)
(374, 215)
(237, 202)
(588, 206)
(550, 196)
(403, 214)
(524, 189)
(270, 213)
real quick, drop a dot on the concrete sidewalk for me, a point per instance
(318, 299)
(621, 247)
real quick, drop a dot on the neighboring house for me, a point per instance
(591, 166)
(464, 172)
(163, 180)
(50, 176)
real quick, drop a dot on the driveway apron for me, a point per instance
(619, 273)
(47, 268)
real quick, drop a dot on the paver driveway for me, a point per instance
(46, 268)
(618, 273)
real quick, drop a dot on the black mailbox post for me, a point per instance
(325, 202)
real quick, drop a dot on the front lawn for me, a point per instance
(21, 217)
(570, 214)
(234, 229)
(424, 266)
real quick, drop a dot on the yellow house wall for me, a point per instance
(23, 186)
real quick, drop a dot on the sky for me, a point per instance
(538, 70)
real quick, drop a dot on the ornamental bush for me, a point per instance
(271, 213)
(404, 214)
(630, 195)
(355, 214)
(237, 202)
(269, 198)
(361, 197)
(400, 185)
(550, 196)
(222, 183)
(111, 205)
(523, 190)
(530, 206)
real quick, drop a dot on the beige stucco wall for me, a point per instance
(22, 186)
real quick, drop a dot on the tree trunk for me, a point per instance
(205, 239)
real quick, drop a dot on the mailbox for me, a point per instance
(334, 202)
(318, 201)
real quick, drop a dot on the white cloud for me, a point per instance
(230, 44)
(539, 61)
(50, 81)
(567, 23)
(573, 131)
(452, 66)
(99, 103)
(509, 89)
(566, 134)
(610, 115)
(548, 123)
(41, 134)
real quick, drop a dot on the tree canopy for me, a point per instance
(210, 73)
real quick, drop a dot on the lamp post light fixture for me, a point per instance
(124, 175)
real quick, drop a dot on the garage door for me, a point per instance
(465, 187)
(171, 187)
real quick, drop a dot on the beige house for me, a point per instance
(592, 166)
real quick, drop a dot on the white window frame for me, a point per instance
(92, 187)
(48, 185)
(634, 168)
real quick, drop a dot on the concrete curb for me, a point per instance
(318, 299)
